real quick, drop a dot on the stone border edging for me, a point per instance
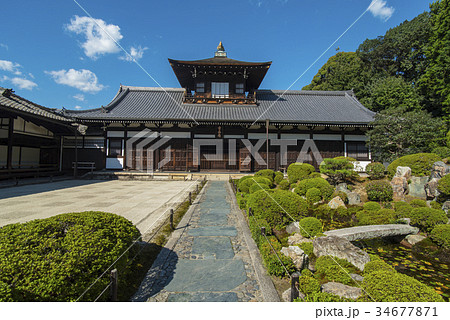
(267, 287)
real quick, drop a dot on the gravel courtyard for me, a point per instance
(142, 202)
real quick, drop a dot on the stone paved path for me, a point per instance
(210, 260)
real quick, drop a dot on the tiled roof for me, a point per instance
(11, 101)
(159, 104)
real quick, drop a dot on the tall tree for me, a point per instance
(397, 132)
(435, 83)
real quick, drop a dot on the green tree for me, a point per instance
(392, 92)
(397, 132)
(435, 83)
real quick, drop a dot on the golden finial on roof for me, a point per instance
(220, 47)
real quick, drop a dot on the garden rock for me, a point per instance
(417, 187)
(286, 296)
(353, 198)
(342, 187)
(412, 239)
(336, 202)
(399, 186)
(431, 188)
(404, 172)
(297, 255)
(296, 239)
(342, 290)
(341, 248)
(446, 206)
(438, 170)
(356, 277)
(293, 227)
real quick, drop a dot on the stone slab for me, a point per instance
(214, 217)
(207, 275)
(203, 297)
(218, 248)
(373, 231)
(218, 231)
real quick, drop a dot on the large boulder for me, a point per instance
(404, 172)
(399, 187)
(431, 188)
(298, 256)
(417, 187)
(341, 248)
(342, 187)
(438, 170)
(293, 227)
(297, 239)
(412, 239)
(446, 206)
(286, 296)
(354, 198)
(336, 202)
(342, 290)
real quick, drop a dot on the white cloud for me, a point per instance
(100, 38)
(2, 45)
(379, 9)
(10, 67)
(79, 97)
(78, 107)
(135, 54)
(84, 80)
(23, 83)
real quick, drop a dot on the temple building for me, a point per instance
(218, 120)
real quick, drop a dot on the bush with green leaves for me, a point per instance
(313, 195)
(255, 226)
(377, 265)
(278, 207)
(325, 188)
(241, 199)
(308, 285)
(278, 177)
(382, 216)
(375, 170)
(323, 297)
(435, 205)
(342, 195)
(371, 206)
(418, 203)
(266, 173)
(420, 164)
(245, 185)
(338, 170)
(270, 260)
(257, 187)
(310, 227)
(441, 235)
(242, 180)
(284, 185)
(389, 286)
(57, 258)
(444, 185)
(299, 171)
(427, 218)
(402, 209)
(443, 152)
(308, 248)
(379, 191)
(334, 269)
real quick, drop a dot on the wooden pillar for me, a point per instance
(75, 168)
(125, 137)
(10, 143)
(267, 143)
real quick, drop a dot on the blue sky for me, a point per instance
(53, 54)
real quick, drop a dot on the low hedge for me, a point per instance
(426, 218)
(420, 164)
(444, 185)
(245, 185)
(257, 187)
(379, 191)
(310, 227)
(323, 297)
(375, 170)
(58, 258)
(299, 171)
(313, 195)
(266, 173)
(372, 206)
(418, 203)
(441, 235)
(334, 269)
(402, 209)
(255, 226)
(277, 206)
(382, 216)
(325, 188)
(389, 286)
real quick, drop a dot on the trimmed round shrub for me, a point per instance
(379, 191)
(284, 185)
(310, 227)
(443, 152)
(257, 187)
(308, 285)
(417, 203)
(245, 185)
(435, 205)
(382, 216)
(334, 269)
(372, 206)
(278, 177)
(308, 248)
(441, 235)
(325, 188)
(299, 171)
(426, 218)
(375, 170)
(277, 206)
(388, 286)
(420, 164)
(313, 195)
(57, 258)
(377, 265)
(266, 173)
(338, 169)
(402, 209)
(444, 185)
(323, 211)
(306, 272)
